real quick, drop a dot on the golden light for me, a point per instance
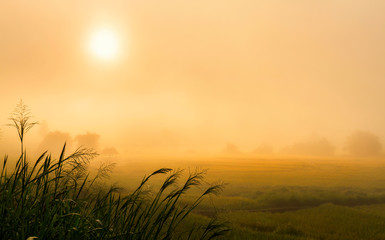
(104, 44)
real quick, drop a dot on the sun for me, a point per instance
(104, 44)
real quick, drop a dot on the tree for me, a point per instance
(52, 140)
(20, 118)
(263, 149)
(89, 140)
(362, 143)
(316, 146)
(231, 149)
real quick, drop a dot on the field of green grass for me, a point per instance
(289, 198)
(327, 221)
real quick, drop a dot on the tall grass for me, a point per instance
(21, 120)
(58, 199)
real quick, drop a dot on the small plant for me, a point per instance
(58, 199)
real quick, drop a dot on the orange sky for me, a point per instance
(197, 74)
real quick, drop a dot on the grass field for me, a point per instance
(282, 198)
(327, 221)
(289, 198)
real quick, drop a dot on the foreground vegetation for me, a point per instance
(60, 199)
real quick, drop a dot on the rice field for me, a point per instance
(290, 198)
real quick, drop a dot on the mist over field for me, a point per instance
(280, 103)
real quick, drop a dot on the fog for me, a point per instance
(196, 77)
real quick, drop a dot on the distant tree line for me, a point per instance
(359, 143)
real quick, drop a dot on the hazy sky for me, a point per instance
(197, 74)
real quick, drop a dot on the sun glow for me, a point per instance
(104, 44)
